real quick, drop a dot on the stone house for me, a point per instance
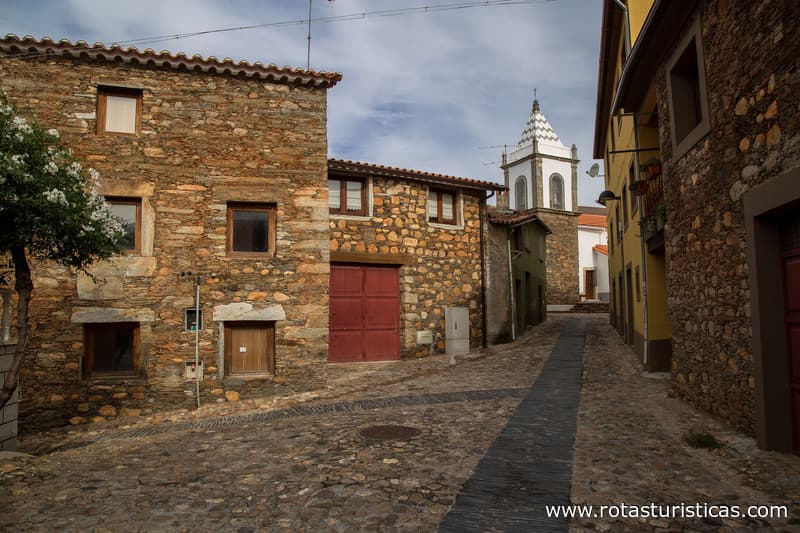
(542, 174)
(727, 103)
(517, 273)
(219, 169)
(406, 246)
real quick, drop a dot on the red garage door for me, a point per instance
(364, 313)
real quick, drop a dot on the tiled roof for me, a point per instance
(538, 128)
(601, 248)
(30, 47)
(513, 218)
(598, 221)
(356, 167)
(592, 210)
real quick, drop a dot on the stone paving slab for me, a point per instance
(529, 465)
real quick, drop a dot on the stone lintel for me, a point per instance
(245, 311)
(370, 258)
(89, 315)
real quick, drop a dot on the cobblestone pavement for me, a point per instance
(630, 449)
(301, 462)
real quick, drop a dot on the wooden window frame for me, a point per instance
(342, 209)
(270, 209)
(88, 358)
(137, 237)
(439, 217)
(103, 91)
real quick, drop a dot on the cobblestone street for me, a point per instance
(306, 463)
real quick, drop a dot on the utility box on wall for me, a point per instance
(456, 326)
(194, 372)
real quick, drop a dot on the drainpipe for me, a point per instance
(645, 328)
(624, 9)
(482, 215)
(511, 290)
(197, 339)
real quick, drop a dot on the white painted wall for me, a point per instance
(550, 167)
(588, 237)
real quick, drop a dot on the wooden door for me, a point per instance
(791, 274)
(249, 348)
(364, 313)
(588, 284)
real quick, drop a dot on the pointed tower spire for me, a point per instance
(538, 128)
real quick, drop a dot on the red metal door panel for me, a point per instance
(381, 346)
(791, 271)
(364, 313)
(381, 314)
(346, 281)
(381, 281)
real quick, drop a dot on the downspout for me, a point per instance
(511, 290)
(482, 215)
(624, 9)
(640, 204)
(197, 340)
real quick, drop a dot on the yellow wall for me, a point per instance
(620, 136)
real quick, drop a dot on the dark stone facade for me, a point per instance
(750, 58)
(562, 256)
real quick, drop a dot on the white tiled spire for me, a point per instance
(538, 128)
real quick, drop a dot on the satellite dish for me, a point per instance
(594, 170)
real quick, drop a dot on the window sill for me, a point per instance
(251, 255)
(442, 225)
(360, 218)
(134, 379)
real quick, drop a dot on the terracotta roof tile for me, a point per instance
(512, 218)
(357, 167)
(30, 47)
(598, 221)
(601, 248)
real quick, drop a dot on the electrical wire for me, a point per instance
(331, 19)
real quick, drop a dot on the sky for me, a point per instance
(439, 91)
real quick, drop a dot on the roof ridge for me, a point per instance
(410, 173)
(166, 59)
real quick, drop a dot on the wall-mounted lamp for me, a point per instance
(607, 196)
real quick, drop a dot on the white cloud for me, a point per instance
(419, 91)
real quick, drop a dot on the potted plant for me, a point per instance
(640, 187)
(652, 167)
(661, 215)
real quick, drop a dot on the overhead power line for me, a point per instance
(330, 19)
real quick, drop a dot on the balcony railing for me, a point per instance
(654, 195)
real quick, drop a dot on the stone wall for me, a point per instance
(444, 268)
(530, 310)
(8, 414)
(205, 140)
(498, 296)
(562, 257)
(754, 103)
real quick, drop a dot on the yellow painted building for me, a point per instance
(629, 145)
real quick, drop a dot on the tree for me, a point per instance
(49, 210)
